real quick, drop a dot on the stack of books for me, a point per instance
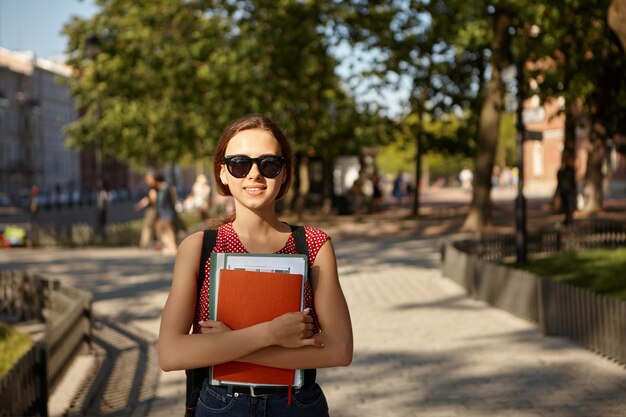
(247, 289)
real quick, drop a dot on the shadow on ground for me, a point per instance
(441, 383)
(123, 379)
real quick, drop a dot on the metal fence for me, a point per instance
(23, 390)
(66, 315)
(595, 321)
(584, 234)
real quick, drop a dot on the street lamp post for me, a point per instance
(520, 201)
(93, 49)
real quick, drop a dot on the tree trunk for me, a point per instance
(328, 193)
(617, 19)
(479, 216)
(572, 119)
(304, 184)
(419, 151)
(592, 190)
(418, 175)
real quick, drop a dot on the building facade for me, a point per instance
(543, 149)
(34, 108)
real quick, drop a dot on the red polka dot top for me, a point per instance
(228, 241)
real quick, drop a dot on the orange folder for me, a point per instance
(246, 298)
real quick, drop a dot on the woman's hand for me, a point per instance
(294, 330)
(213, 326)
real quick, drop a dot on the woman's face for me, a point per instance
(253, 190)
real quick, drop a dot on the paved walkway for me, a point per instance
(422, 348)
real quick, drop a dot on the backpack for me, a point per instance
(195, 377)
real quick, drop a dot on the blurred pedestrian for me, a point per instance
(33, 208)
(377, 197)
(505, 178)
(103, 198)
(495, 177)
(33, 203)
(567, 189)
(148, 202)
(166, 214)
(399, 187)
(466, 177)
(200, 194)
(357, 197)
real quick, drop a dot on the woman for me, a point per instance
(148, 202)
(166, 214)
(252, 163)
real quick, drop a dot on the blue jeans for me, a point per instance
(305, 402)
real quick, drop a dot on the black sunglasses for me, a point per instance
(269, 165)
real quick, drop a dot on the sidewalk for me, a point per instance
(422, 347)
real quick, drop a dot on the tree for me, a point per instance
(408, 38)
(286, 46)
(152, 92)
(581, 60)
(617, 19)
(171, 74)
(575, 56)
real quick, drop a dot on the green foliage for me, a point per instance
(580, 55)
(447, 166)
(396, 156)
(600, 271)
(13, 345)
(171, 74)
(147, 93)
(437, 52)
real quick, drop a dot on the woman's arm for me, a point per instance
(180, 350)
(333, 316)
(143, 202)
(152, 197)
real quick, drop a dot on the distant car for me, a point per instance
(43, 202)
(8, 207)
(12, 236)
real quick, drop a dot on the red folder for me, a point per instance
(246, 298)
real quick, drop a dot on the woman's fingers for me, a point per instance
(293, 330)
(213, 326)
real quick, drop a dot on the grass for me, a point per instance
(600, 271)
(13, 345)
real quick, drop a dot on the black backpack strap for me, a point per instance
(299, 238)
(195, 377)
(209, 238)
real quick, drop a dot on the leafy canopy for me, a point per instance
(170, 75)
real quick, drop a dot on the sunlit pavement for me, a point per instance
(422, 348)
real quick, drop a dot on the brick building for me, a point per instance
(543, 148)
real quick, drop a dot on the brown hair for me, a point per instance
(248, 122)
